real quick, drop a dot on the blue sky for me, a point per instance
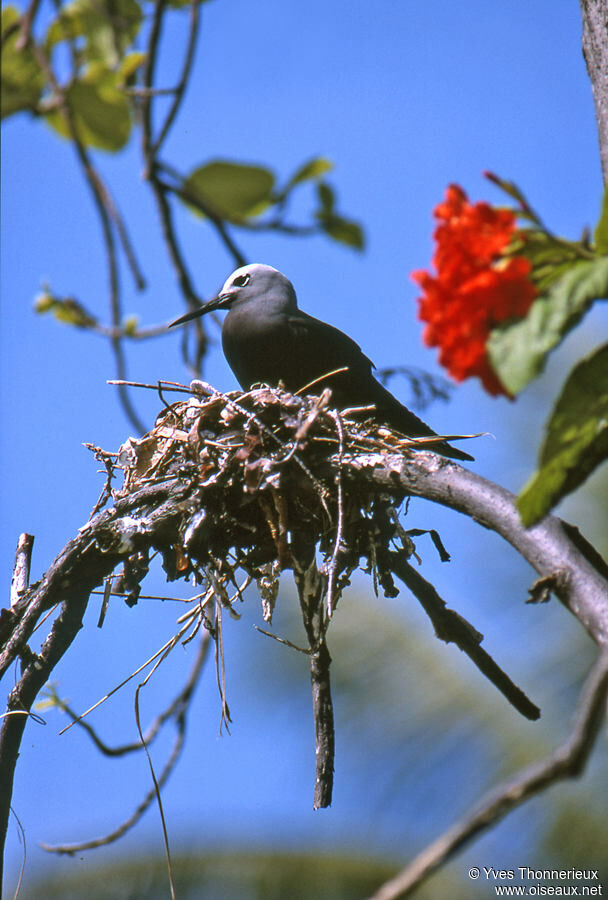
(404, 98)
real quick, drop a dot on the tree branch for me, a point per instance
(547, 546)
(450, 626)
(595, 50)
(247, 481)
(312, 586)
(568, 761)
(108, 214)
(178, 93)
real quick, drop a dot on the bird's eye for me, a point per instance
(241, 280)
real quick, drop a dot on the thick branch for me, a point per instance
(547, 546)
(23, 695)
(111, 536)
(595, 49)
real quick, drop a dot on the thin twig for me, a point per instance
(27, 23)
(24, 859)
(107, 213)
(178, 92)
(282, 640)
(156, 791)
(138, 812)
(568, 761)
(108, 460)
(194, 200)
(178, 709)
(149, 153)
(174, 386)
(220, 667)
(331, 569)
(156, 658)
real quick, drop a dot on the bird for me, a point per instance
(268, 339)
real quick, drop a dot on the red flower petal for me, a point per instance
(475, 287)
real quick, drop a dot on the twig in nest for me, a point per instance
(330, 600)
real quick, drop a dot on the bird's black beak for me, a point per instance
(222, 301)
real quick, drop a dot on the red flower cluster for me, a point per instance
(475, 288)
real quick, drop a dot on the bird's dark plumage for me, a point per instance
(266, 339)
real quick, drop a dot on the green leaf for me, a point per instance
(65, 309)
(518, 352)
(550, 257)
(312, 169)
(343, 230)
(108, 28)
(601, 230)
(576, 439)
(22, 77)
(337, 227)
(327, 199)
(129, 65)
(509, 187)
(100, 110)
(182, 4)
(229, 190)
(130, 325)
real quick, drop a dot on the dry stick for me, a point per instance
(331, 569)
(175, 708)
(167, 386)
(203, 388)
(138, 812)
(162, 653)
(178, 709)
(452, 627)
(21, 569)
(108, 461)
(157, 790)
(568, 761)
(311, 590)
(78, 569)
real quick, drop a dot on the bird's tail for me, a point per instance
(407, 423)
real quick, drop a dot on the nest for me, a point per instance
(270, 483)
(259, 482)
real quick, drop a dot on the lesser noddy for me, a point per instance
(266, 339)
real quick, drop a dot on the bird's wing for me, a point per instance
(328, 346)
(321, 349)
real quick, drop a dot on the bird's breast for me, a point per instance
(261, 351)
